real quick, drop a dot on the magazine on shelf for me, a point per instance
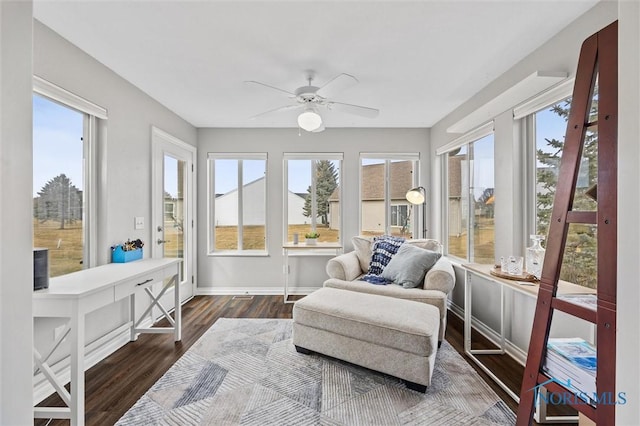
(588, 301)
(577, 351)
(562, 369)
(572, 360)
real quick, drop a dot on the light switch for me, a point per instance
(139, 222)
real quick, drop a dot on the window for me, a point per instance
(384, 182)
(58, 184)
(312, 195)
(65, 129)
(471, 201)
(237, 199)
(399, 214)
(547, 133)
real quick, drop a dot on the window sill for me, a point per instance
(239, 253)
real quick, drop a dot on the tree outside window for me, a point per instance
(579, 260)
(313, 196)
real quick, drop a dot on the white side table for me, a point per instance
(302, 249)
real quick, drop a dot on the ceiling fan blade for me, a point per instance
(354, 109)
(337, 85)
(279, 109)
(270, 87)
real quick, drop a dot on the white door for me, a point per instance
(173, 208)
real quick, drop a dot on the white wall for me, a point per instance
(560, 54)
(124, 158)
(628, 321)
(218, 273)
(16, 242)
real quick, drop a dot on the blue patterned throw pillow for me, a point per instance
(384, 247)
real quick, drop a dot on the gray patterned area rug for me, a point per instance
(247, 372)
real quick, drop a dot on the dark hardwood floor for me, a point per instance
(116, 383)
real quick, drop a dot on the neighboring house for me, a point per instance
(226, 206)
(458, 202)
(373, 213)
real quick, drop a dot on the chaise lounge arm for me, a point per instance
(345, 267)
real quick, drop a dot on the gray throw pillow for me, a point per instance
(409, 266)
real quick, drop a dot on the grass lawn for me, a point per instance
(65, 245)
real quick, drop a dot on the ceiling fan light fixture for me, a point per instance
(309, 120)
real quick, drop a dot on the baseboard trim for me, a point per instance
(512, 350)
(95, 352)
(262, 291)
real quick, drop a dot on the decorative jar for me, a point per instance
(535, 256)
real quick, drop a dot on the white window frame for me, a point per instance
(526, 113)
(388, 158)
(313, 157)
(465, 140)
(95, 118)
(211, 157)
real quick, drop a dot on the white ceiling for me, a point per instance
(416, 61)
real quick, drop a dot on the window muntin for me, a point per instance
(238, 203)
(59, 182)
(384, 182)
(549, 128)
(312, 196)
(471, 201)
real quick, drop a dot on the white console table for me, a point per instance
(74, 295)
(528, 289)
(318, 249)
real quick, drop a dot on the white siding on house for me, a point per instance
(226, 206)
(295, 210)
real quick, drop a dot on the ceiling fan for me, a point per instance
(311, 98)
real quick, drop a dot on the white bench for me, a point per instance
(394, 336)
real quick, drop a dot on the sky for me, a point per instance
(57, 143)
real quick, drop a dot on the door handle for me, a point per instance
(163, 241)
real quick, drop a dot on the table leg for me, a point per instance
(177, 310)
(132, 315)
(77, 367)
(467, 312)
(286, 275)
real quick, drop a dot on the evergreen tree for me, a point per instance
(579, 262)
(326, 182)
(59, 200)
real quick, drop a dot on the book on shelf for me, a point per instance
(572, 360)
(563, 370)
(577, 351)
(588, 301)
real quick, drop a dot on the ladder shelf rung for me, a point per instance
(592, 125)
(588, 217)
(573, 309)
